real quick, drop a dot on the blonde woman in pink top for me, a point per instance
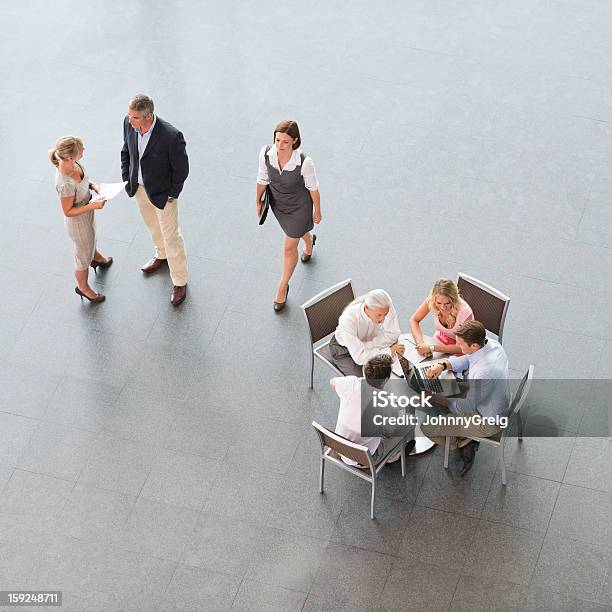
(449, 311)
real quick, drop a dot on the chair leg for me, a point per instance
(403, 455)
(373, 497)
(503, 463)
(321, 475)
(311, 370)
(519, 422)
(446, 450)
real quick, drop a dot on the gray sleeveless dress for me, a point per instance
(290, 201)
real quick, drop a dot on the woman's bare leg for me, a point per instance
(290, 259)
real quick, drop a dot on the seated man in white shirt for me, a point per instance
(377, 372)
(488, 394)
(368, 327)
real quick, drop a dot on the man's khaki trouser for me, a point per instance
(164, 228)
(438, 433)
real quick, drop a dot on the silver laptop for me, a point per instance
(416, 377)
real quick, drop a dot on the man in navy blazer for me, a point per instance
(155, 165)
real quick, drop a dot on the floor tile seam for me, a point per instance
(591, 244)
(208, 568)
(537, 562)
(97, 69)
(231, 606)
(394, 556)
(56, 424)
(92, 324)
(325, 70)
(393, 559)
(152, 446)
(450, 513)
(559, 590)
(455, 590)
(489, 225)
(598, 544)
(252, 563)
(205, 258)
(5, 485)
(270, 525)
(508, 471)
(536, 532)
(219, 319)
(607, 492)
(22, 327)
(23, 416)
(425, 50)
(47, 403)
(564, 284)
(475, 517)
(72, 482)
(81, 331)
(569, 458)
(497, 464)
(91, 485)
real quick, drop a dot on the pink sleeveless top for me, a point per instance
(447, 336)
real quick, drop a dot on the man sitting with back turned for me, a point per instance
(367, 327)
(377, 372)
(488, 394)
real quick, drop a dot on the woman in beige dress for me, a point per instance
(74, 189)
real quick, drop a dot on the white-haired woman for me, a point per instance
(74, 188)
(368, 327)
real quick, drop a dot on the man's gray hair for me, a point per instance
(377, 298)
(143, 104)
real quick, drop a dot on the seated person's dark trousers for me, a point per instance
(342, 359)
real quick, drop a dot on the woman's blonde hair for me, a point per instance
(448, 289)
(66, 146)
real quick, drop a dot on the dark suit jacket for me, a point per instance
(165, 165)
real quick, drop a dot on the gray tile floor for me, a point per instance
(161, 459)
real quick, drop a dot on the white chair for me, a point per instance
(500, 439)
(333, 445)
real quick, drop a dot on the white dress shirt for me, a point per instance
(143, 141)
(490, 395)
(308, 169)
(348, 425)
(364, 339)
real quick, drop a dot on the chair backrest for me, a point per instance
(323, 310)
(521, 393)
(489, 305)
(341, 445)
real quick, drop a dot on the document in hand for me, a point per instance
(110, 190)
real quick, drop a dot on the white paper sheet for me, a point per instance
(110, 190)
(411, 354)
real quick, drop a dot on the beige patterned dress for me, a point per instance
(82, 228)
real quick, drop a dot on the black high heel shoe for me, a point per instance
(101, 264)
(278, 306)
(100, 297)
(306, 258)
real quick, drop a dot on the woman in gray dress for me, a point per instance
(74, 189)
(294, 198)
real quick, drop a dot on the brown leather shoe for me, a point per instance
(178, 294)
(153, 265)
